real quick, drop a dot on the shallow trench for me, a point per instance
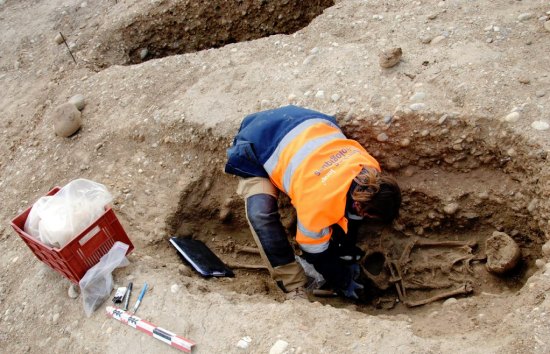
(181, 26)
(461, 178)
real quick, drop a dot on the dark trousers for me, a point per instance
(262, 213)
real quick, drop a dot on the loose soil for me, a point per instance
(167, 83)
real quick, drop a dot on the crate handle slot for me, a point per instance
(89, 235)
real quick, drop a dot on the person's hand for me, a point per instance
(351, 290)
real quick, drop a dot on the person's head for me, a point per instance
(375, 195)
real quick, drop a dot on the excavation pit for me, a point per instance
(178, 27)
(460, 183)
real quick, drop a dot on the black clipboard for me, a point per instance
(201, 258)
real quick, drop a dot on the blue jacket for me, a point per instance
(259, 135)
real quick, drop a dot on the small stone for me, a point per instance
(244, 342)
(143, 53)
(308, 59)
(546, 249)
(540, 125)
(265, 104)
(225, 213)
(67, 119)
(184, 270)
(382, 137)
(437, 39)
(540, 93)
(451, 208)
(174, 288)
(450, 301)
(73, 291)
(503, 253)
(524, 80)
(540, 263)
(335, 97)
(417, 106)
(512, 117)
(279, 347)
(489, 40)
(55, 318)
(442, 119)
(184, 230)
(418, 96)
(292, 97)
(405, 142)
(425, 39)
(432, 16)
(547, 26)
(390, 57)
(525, 16)
(532, 205)
(78, 101)
(109, 330)
(320, 94)
(58, 38)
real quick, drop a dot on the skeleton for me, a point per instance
(404, 265)
(464, 289)
(246, 266)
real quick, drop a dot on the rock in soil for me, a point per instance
(503, 253)
(390, 57)
(58, 38)
(546, 249)
(66, 120)
(78, 101)
(279, 347)
(73, 291)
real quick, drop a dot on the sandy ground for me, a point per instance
(460, 121)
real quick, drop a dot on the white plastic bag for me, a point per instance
(33, 220)
(56, 219)
(97, 283)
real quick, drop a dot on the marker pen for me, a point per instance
(140, 297)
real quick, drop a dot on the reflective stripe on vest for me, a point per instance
(311, 241)
(314, 248)
(273, 160)
(312, 234)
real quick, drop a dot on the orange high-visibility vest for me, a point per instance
(315, 164)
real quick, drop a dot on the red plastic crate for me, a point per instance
(83, 251)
